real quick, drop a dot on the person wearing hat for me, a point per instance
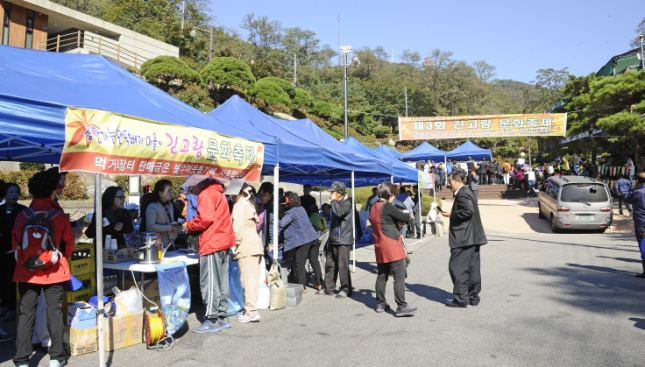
(213, 221)
(301, 238)
(248, 248)
(341, 237)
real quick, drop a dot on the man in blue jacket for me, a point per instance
(637, 199)
(623, 187)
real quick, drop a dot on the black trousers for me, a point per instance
(29, 294)
(621, 199)
(308, 251)
(397, 269)
(464, 270)
(337, 266)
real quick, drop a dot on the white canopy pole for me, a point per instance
(276, 212)
(353, 224)
(98, 220)
(392, 179)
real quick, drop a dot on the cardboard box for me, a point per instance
(81, 341)
(119, 256)
(150, 290)
(124, 331)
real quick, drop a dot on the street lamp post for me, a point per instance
(346, 50)
(210, 32)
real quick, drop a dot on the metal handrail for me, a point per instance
(101, 45)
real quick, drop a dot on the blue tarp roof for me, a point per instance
(305, 149)
(424, 152)
(389, 151)
(402, 171)
(36, 87)
(469, 150)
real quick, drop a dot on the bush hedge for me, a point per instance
(381, 131)
(271, 92)
(75, 188)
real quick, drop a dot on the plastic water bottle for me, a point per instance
(108, 242)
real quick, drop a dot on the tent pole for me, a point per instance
(392, 179)
(98, 220)
(353, 224)
(276, 212)
(320, 194)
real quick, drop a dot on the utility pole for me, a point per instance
(295, 69)
(640, 39)
(183, 7)
(346, 96)
(405, 93)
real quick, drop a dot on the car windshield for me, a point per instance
(584, 193)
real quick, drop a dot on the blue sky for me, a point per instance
(517, 37)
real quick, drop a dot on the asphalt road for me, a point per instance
(547, 300)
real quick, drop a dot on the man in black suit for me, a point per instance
(466, 237)
(483, 169)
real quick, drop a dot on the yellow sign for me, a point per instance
(110, 143)
(486, 126)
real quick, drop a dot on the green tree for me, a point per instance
(169, 73)
(285, 85)
(264, 34)
(225, 75)
(302, 98)
(197, 97)
(270, 91)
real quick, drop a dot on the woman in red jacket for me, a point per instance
(386, 222)
(50, 280)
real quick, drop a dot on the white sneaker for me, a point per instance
(249, 318)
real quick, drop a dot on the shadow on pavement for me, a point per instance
(621, 259)
(535, 223)
(638, 323)
(556, 242)
(431, 293)
(594, 288)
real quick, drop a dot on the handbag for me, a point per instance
(278, 289)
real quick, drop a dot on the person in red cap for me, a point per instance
(213, 221)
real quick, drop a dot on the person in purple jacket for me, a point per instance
(637, 199)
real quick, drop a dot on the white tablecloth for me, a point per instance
(189, 259)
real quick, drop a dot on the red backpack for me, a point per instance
(36, 249)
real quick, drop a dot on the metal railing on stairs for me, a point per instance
(93, 43)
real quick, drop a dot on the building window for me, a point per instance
(6, 23)
(30, 29)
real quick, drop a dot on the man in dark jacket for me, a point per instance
(483, 170)
(637, 199)
(466, 237)
(341, 238)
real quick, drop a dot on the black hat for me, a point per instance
(338, 186)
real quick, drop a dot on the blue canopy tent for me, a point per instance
(307, 153)
(38, 86)
(469, 150)
(389, 151)
(402, 172)
(424, 152)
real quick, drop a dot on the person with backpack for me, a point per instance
(42, 225)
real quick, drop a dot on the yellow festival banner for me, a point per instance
(485, 126)
(110, 143)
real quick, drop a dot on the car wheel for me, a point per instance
(540, 214)
(554, 226)
(602, 230)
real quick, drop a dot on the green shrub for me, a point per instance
(285, 85)
(271, 92)
(329, 112)
(381, 131)
(302, 98)
(75, 188)
(169, 73)
(225, 72)
(196, 96)
(336, 135)
(24, 166)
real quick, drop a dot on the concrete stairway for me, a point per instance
(501, 192)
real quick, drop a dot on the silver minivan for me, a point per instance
(575, 202)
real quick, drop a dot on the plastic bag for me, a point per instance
(235, 290)
(278, 290)
(128, 302)
(174, 294)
